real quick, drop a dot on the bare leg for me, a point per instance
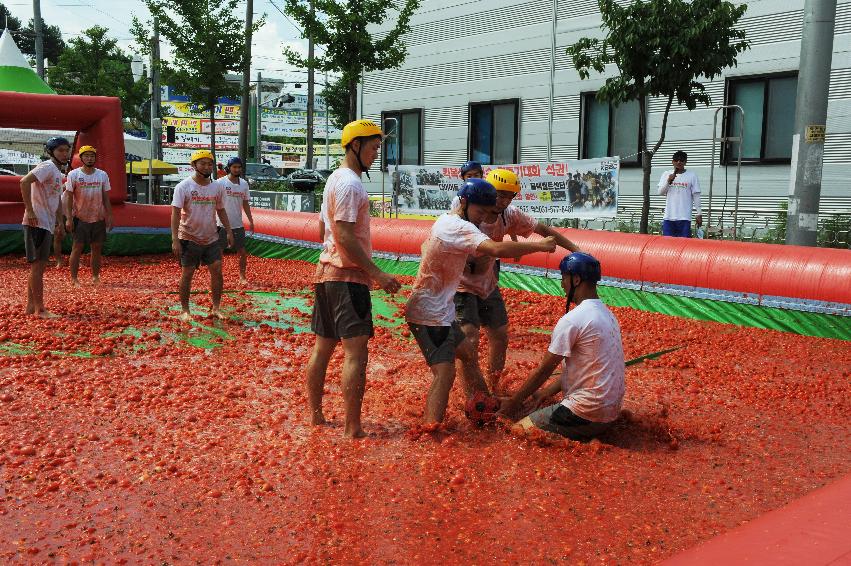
(216, 284)
(58, 236)
(185, 286)
(97, 249)
(354, 382)
(243, 265)
(316, 368)
(471, 374)
(76, 252)
(35, 294)
(438, 393)
(498, 345)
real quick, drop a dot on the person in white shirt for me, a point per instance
(237, 199)
(88, 213)
(41, 190)
(587, 341)
(682, 192)
(430, 310)
(194, 240)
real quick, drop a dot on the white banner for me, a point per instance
(274, 147)
(177, 155)
(12, 157)
(295, 130)
(184, 140)
(567, 189)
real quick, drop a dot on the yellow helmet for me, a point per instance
(86, 149)
(201, 154)
(359, 129)
(504, 180)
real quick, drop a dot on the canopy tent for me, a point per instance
(15, 72)
(157, 167)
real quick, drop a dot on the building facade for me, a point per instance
(490, 80)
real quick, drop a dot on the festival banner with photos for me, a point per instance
(586, 188)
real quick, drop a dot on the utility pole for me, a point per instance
(38, 26)
(244, 100)
(259, 146)
(156, 129)
(327, 130)
(310, 92)
(810, 120)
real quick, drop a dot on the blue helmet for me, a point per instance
(55, 142)
(471, 166)
(233, 161)
(478, 191)
(586, 266)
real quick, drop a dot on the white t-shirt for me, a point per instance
(680, 195)
(444, 256)
(512, 221)
(589, 338)
(235, 195)
(46, 194)
(198, 205)
(88, 193)
(344, 199)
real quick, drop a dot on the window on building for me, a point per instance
(494, 132)
(769, 105)
(608, 130)
(406, 146)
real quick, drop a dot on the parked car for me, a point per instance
(261, 172)
(307, 179)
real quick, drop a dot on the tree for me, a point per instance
(25, 36)
(207, 40)
(341, 27)
(336, 95)
(661, 48)
(94, 65)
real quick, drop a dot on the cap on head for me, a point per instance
(504, 180)
(471, 166)
(586, 266)
(359, 129)
(87, 149)
(478, 191)
(55, 142)
(680, 155)
(201, 154)
(233, 161)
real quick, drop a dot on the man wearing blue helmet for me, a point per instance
(587, 340)
(41, 190)
(431, 311)
(237, 199)
(472, 170)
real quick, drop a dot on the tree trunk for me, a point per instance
(353, 99)
(646, 165)
(212, 103)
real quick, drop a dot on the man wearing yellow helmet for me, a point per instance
(88, 213)
(194, 236)
(478, 301)
(342, 309)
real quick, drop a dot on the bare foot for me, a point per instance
(48, 315)
(318, 419)
(357, 433)
(95, 280)
(243, 281)
(185, 317)
(75, 282)
(216, 314)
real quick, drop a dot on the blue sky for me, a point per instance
(73, 16)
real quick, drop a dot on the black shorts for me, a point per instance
(341, 310)
(561, 420)
(437, 343)
(193, 255)
(38, 243)
(89, 232)
(238, 239)
(472, 309)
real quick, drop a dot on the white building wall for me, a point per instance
(462, 51)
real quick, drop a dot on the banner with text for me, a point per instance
(586, 188)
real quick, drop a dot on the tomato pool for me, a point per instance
(127, 437)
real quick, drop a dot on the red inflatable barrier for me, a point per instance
(96, 119)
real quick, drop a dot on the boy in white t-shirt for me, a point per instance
(41, 190)
(587, 340)
(88, 212)
(430, 311)
(194, 238)
(237, 200)
(682, 192)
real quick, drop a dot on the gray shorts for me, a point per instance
(561, 420)
(341, 310)
(193, 255)
(472, 309)
(89, 232)
(38, 243)
(238, 239)
(437, 343)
